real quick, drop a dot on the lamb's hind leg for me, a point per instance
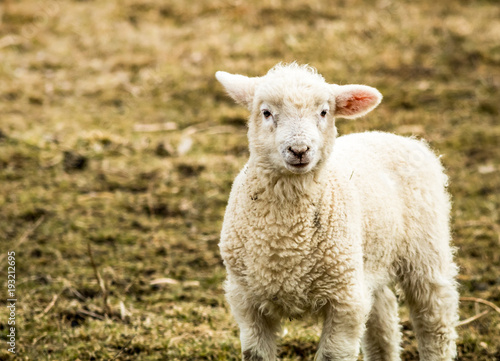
(433, 300)
(382, 336)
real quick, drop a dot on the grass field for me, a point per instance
(115, 135)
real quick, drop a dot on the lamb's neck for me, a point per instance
(283, 186)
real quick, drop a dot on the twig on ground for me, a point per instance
(473, 318)
(150, 200)
(123, 311)
(100, 281)
(49, 306)
(36, 339)
(91, 314)
(155, 127)
(163, 281)
(24, 237)
(77, 294)
(479, 315)
(124, 347)
(480, 300)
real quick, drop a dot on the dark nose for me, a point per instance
(299, 150)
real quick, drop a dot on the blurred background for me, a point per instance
(118, 149)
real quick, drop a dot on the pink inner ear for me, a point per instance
(355, 102)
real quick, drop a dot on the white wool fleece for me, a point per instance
(319, 225)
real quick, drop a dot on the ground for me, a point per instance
(118, 149)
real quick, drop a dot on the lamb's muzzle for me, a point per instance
(299, 156)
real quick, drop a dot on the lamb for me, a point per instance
(326, 226)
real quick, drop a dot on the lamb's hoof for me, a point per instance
(249, 355)
(324, 357)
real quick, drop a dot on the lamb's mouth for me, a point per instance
(298, 167)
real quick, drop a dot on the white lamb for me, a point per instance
(313, 228)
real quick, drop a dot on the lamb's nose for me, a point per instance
(299, 150)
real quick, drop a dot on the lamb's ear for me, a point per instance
(353, 101)
(239, 87)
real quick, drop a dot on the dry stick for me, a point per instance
(100, 281)
(38, 339)
(155, 127)
(150, 200)
(477, 300)
(124, 347)
(473, 318)
(49, 306)
(25, 236)
(77, 294)
(91, 314)
(480, 300)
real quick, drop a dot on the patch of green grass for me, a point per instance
(80, 81)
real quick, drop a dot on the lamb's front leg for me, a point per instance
(258, 334)
(342, 331)
(258, 331)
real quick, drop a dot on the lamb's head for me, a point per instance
(292, 125)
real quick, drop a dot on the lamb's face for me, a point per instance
(292, 124)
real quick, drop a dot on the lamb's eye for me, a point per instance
(266, 113)
(323, 113)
